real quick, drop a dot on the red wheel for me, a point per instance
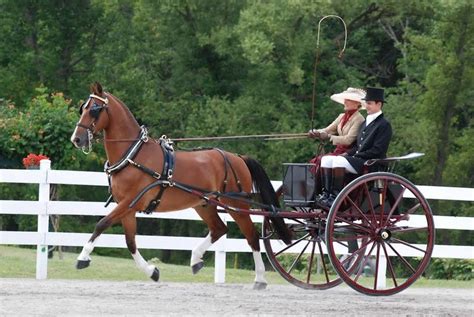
(396, 244)
(304, 262)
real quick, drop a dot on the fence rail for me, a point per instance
(44, 207)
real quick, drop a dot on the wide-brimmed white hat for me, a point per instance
(355, 94)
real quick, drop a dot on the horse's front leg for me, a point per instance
(84, 259)
(129, 224)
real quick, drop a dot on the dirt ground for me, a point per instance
(21, 297)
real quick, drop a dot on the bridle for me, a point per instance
(94, 112)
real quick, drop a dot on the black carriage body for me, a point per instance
(299, 184)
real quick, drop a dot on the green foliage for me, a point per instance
(44, 127)
(451, 269)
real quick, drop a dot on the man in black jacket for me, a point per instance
(373, 140)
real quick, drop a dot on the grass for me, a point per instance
(21, 263)
(18, 262)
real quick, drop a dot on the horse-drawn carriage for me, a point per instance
(377, 237)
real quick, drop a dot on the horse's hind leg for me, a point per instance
(129, 224)
(217, 229)
(248, 230)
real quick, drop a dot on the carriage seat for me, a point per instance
(388, 164)
(301, 184)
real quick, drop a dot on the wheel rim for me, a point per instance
(400, 239)
(304, 262)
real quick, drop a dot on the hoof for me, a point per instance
(82, 264)
(197, 267)
(156, 275)
(259, 285)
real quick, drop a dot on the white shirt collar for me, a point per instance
(371, 117)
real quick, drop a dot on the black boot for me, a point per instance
(326, 175)
(338, 175)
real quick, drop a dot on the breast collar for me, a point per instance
(129, 155)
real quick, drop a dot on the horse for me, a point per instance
(146, 174)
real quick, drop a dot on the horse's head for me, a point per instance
(94, 118)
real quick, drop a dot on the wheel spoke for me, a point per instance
(365, 229)
(407, 229)
(371, 204)
(343, 244)
(397, 202)
(390, 266)
(402, 258)
(292, 244)
(358, 251)
(412, 209)
(408, 244)
(382, 197)
(310, 263)
(360, 212)
(322, 260)
(298, 221)
(365, 262)
(298, 257)
(350, 238)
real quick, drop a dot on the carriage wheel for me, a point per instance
(393, 225)
(304, 262)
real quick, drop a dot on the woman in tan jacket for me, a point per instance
(342, 132)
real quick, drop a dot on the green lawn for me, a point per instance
(21, 263)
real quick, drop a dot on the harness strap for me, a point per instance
(225, 168)
(145, 169)
(129, 155)
(227, 163)
(152, 205)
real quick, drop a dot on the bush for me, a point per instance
(451, 269)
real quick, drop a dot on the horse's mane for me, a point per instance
(124, 106)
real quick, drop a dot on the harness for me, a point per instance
(164, 179)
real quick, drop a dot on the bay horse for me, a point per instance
(148, 175)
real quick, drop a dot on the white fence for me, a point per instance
(45, 176)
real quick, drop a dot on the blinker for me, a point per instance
(95, 110)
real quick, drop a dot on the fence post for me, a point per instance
(382, 272)
(220, 258)
(43, 222)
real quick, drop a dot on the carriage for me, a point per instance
(377, 236)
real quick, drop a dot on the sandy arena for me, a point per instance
(21, 297)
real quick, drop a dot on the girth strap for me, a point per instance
(166, 174)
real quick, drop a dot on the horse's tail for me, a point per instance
(263, 185)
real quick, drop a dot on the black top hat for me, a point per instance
(374, 94)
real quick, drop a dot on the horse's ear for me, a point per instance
(96, 89)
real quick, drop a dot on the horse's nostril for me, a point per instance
(77, 140)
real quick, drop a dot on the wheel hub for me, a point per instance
(385, 234)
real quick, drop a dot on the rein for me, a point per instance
(265, 137)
